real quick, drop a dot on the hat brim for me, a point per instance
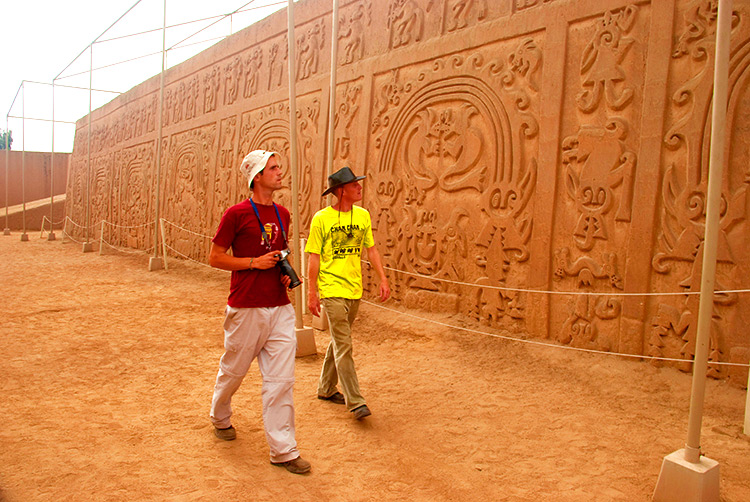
(334, 187)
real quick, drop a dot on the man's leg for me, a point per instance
(341, 313)
(276, 362)
(243, 337)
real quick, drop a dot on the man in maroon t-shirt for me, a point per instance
(260, 319)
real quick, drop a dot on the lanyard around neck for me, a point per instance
(262, 228)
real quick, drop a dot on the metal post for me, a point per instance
(87, 246)
(713, 201)
(293, 155)
(332, 95)
(6, 231)
(687, 476)
(51, 234)
(156, 263)
(24, 237)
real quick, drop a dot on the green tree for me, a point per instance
(6, 140)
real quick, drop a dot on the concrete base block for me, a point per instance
(24, 237)
(155, 263)
(6, 231)
(305, 342)
(683, 481)
(51, 236)
(88, 247)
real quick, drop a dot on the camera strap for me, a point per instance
(262, 228)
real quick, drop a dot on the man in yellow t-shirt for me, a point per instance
(337, 235)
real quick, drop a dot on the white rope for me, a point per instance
(128, 226)
(127, 250)
(554, 346)
(188, 258)
(569, 293)
(188, 231)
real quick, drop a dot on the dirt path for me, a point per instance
(107, 371)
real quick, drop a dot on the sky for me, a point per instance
(46, 40)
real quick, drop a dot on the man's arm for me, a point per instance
(219, 258)
(313, 268)
(374, 256)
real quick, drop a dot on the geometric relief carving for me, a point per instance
(346, 111)
(188, 158)
(232, 73)
(136, 167)
(309, 45)
(596, 162)
(252, 72)
(278, 54)
(457, 14)
(226, 173)
(405, 22)
(598, 173)
(211, 82)
(451, 183)
(519, 5)
(683, 197)
(601, 72)
(352, 31)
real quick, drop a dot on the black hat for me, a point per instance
(341, 177)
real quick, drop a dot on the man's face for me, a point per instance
(352, 191)
(270, 176)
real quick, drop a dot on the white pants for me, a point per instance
(268, 334)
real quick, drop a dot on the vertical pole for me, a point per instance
(6, 231)
(332, 91)
(294, 231)
(24, 237)
(747, 407)
(713, 201)
(51, 234)
(155, 263)
(87, 247)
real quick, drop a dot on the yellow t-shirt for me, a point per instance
(338, 238)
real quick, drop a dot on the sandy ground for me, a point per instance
(107, 370)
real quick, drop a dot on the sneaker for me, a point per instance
(361, 412)
(336, 397)
(297, 466)
(227, 434)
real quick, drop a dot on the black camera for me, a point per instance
(286, 268)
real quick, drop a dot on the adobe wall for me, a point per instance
(38, 176)
(521, 144)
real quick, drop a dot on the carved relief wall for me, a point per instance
(510, 147)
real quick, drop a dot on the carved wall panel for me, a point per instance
(679, 250)
(451, 172)
(135, 196)
(598, 164)
(188, 162)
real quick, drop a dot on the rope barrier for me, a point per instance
(569, 293)
(551, 345)
(128, 226)
(126, 250)
(186, 230)
(188, 258)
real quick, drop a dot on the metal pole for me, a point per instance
(155, 263)
(6, 231)
(713, 201)
(332, 95)
(87, 247)
(296, 257)
(24, 237)
(51, 235)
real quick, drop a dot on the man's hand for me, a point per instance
(313, 303)
(266, 261)
(385, 290)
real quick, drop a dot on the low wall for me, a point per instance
(38, 175)
(510, 147)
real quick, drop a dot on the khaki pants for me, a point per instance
(268, 335)
(338, 365)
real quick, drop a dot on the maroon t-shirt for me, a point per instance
(239, 230)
